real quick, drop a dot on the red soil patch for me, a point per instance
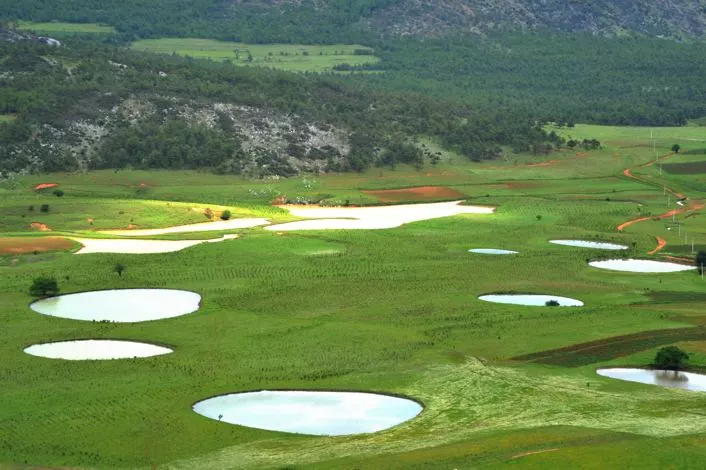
(41, 186)
(40, 226)
(421, 193)
(18, 246)
(661, 243)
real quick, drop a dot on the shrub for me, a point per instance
(700, 261)
(30, 208)
(552, 303)
(225, 215)
(58, 193)
(44, 286)
(44, 208)
(671, 358)
(119, 268)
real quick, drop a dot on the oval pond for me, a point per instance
(589, 244)
(95, 349)
(121, 305)
(492, 251)
(640, 266)
(663, 378)
(309, 412)
(534, 300)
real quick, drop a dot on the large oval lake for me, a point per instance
(310, 412)
(121, 305)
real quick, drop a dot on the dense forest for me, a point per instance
(569, 77)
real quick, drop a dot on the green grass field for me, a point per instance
(392, 311)
(59, 28)
(292, 57)
(7, 118)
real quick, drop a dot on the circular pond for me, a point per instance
(640, 266)
(492, 251)
(588, 244)
(121, 305)
(308, 412)
(95, 349)
(663, 378)
(530, 299)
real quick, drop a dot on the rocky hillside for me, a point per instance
(331, 21)
(671, 18)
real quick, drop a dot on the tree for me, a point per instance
(676, 148)
(671, 358)
(44, 208)
(119, 268)
(225, 215)
(44, 286)
(700, 261)
(58, 193)
(552, 303)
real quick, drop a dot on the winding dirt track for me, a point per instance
(661, 242)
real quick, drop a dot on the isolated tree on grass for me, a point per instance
(119, 268)
(700, 261)
(43, 287)
(225, 215)
(671, 358)
(676, 148)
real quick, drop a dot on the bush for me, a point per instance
(43, 287)
(700, 261)
(58, 193)
(44, 208)
(225, 215)
(552, 303)
(671, 358)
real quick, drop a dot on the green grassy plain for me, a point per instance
(392, 311)
(292, 57)
(65, 28)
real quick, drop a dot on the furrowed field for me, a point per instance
(393, 311)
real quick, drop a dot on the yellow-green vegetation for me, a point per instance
(65, 28)
(7, 118)
(292, 57)
(392, 311)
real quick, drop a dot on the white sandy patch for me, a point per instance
(202, 227)
(140, 247)
(95, 349)
(375, 217)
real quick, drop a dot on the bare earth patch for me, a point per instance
(40, 226)
(421, 193)
(20, 245)
(41, 186)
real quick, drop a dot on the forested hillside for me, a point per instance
(355, 20)
(90, 106)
